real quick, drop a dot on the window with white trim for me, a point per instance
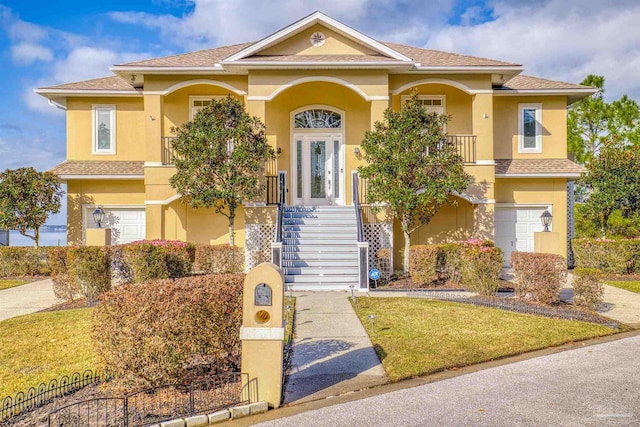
(104, 129)
(431, 103)
(197, 103)
(530, 128)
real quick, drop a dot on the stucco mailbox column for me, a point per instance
(262, 332)
(97, 237)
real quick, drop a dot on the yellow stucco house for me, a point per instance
(318, 85)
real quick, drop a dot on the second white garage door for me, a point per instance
(514, 228)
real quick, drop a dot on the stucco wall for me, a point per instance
(129, 128)
(554, 127)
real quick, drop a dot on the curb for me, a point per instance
(233, 413)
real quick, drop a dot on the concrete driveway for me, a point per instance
(26, 299)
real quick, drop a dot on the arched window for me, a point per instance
(317, 118)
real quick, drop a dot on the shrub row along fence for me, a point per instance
(156, 404)
(89, 271)
(621, 256)
(475, 264)
(45, 393)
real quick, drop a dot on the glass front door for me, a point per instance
(317, 183)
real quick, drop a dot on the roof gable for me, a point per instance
(341, 40)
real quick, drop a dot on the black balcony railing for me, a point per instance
(168, 155)
(466, 145)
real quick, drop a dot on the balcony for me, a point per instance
(466, 145)
(168, 155)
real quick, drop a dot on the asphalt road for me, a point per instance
(592, 386)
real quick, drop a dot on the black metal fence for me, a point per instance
(36, 397)
(156, 404)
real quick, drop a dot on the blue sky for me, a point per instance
(51, 42)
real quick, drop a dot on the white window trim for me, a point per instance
(538, 147)
(94, 140)
(200, 98)
(443, 98)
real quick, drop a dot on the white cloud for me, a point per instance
(26, 53)
(221, 22)
(558, 39)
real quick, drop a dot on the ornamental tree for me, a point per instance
(27, 198)
(411, 166)
(220, 155)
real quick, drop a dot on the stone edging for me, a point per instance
(232, 413)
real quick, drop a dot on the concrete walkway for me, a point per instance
(591, 386)
(620, 305)
(332, 353)
(25, 299)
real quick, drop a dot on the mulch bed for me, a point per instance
(504, 302)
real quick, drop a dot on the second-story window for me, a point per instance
(530, 128)
(197, 103)
(104, 129)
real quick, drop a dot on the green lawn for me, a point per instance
(10, 283)
(418, 336)
(41, 346)
(633, 286)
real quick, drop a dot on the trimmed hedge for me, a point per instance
(19, 261)
(621, 256)
(423, 263)
(587, 287)
(159, 259)
(168, 331)
(219, 259)
(476, 264)
(89, 270)
(539, 276)
(63, 287)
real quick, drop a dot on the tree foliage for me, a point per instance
(220, 155)
(613, 181)
(411, 166)
(592, 121)
(27, 198)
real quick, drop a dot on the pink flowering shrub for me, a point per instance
(159, 259)
(620, 256)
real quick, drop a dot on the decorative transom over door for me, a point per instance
(319, 171)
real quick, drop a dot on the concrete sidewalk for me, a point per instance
(620, 305)
(25, 299)
(332, 353)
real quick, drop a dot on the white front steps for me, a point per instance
(319, 247)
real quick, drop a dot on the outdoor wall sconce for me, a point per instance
(278, 151)
(357, 153)
(98, 216)
(152, 118)
(546, 218)
(485, 116)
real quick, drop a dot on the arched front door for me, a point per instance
(318, 157)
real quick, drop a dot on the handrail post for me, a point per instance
(363, 246)
(276, 246)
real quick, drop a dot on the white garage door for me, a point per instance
(514, 228)
(127, 225)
